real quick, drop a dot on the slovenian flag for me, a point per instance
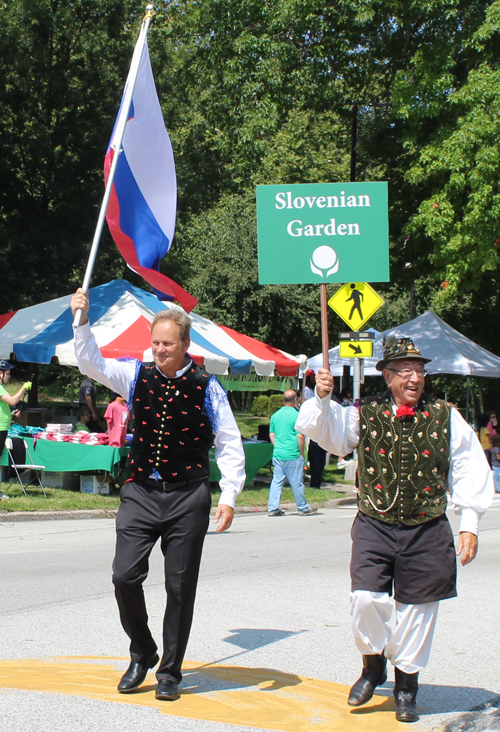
(142, 206)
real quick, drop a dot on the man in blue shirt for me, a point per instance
(288, 457)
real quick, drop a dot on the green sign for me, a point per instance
(323, 232)
(252, 382)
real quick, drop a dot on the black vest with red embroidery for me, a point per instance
(172, 434)
(403, 464)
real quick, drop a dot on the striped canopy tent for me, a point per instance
(120, 315)
(450, 351)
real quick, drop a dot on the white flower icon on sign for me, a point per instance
(324, 261)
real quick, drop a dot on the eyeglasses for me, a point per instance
(408, 373)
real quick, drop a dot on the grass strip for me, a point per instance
(60, 499)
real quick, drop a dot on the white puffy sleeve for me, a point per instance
(470, 478)
(334, 428)
(117, 375)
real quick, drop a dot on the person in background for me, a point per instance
(288, 457)
(346, 397)
(8, 404)
(309, 385)
(117, 416)
(492, 424)
(484, 435)
(87, 398)
(346, 400)
(83, 417)
(495, 462)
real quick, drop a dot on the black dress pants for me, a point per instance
(317, 461)
(180, 519)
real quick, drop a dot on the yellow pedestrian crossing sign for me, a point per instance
(356, 349)
(355, 303)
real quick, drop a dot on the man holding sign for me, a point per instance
(412, 450)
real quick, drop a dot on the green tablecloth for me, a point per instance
(71, 457)
(257, 454)
(75, 458)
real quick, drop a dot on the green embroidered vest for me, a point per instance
(403, 464)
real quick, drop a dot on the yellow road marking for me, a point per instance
(230, 694)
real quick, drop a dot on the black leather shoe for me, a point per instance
(167, 690)
(135, 675)
(374, 674)
(405, 694)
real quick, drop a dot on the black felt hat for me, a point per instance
(395, 347)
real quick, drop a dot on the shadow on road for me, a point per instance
(252, 638)
(208, 679)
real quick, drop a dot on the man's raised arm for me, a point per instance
(116, 375)
(334, 428)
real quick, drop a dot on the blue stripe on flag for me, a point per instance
(137, 220)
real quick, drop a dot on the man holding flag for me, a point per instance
(178, 411)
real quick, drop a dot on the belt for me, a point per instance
(163, 485)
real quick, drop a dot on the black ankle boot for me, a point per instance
(374, 674)
(405, 693)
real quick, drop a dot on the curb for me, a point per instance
(98, 513)
(15, 516)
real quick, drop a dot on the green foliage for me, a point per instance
(260, 406)
(462, 169)
(55, 382)
(275, 403)
(248, 425)
(260, 92)
(59, 499)
(60, 84)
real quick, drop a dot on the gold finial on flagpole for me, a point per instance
(150, 11)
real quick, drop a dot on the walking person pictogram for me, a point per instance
(356, 296)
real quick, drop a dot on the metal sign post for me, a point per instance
(356, 345)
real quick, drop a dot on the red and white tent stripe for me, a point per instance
(120, 315)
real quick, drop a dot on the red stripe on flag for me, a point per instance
(127, 249)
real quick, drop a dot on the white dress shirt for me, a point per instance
(120, 376)
(470, 479)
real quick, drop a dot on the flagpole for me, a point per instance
(324, 327)
(117, 147)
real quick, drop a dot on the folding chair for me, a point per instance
(17, 459)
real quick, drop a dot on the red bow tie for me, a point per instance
(404, 412)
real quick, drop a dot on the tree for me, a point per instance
(60, 85)
(256, 92)
(458, 219)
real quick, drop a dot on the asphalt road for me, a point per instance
(272, 615)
